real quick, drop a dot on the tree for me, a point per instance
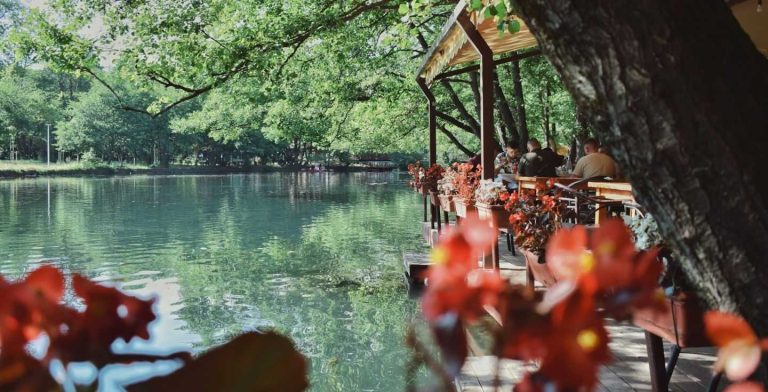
(678, 92)
(24, 111)
(9, 16)
(94, 124)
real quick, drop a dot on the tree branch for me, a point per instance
(455, 141)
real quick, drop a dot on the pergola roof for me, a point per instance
(754, 23)
(453, 47)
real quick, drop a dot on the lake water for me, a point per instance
(316, 256)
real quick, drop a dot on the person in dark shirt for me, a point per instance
(539, 162)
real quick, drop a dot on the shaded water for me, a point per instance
(316, 256)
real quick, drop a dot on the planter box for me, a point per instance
(537, 272)
(463, 207)
(446, 203)
(496, 213)
(682, 323)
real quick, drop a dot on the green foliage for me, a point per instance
(277, 81)
(98, 128)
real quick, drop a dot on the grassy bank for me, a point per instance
(20, 169)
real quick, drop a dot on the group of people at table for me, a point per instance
(543, 162)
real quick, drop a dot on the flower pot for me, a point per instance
(446, 203)
(682, 322)
(535, 271)
(463, 207)
(496, 213)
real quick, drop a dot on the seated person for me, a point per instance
(595, 163)
(539, 162)
(505, 164)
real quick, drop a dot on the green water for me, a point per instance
(316, 256)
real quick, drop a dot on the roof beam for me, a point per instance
(503, 60)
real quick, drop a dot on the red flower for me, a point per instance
(626, 279)
(464, 245)
(109, 314)
(452, 290)
(739, 348)
(454, 283)
(29, 307)
(745, 387)
(504, 196)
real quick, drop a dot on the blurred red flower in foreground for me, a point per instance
(608, 265)
(740, 349)
(563, 331)
(32, 308)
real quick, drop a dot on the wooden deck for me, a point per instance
(628, 372)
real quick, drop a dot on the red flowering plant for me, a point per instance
(416, 172)
(562, 331)
(740, 350)
(32, 311)
(534, 218)
(431, 177)
(467, 181)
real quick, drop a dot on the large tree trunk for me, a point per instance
(507, 118)
(522, 122)
(679, 94)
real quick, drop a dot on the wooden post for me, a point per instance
(487, 68)
(655, 349)
(432, 110)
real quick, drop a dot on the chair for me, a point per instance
(581, 202)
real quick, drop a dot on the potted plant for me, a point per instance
(682, 322)
(417, 173)
(490, 197)
(533, 219)
(430, 179)
(466, 182)
(446, 188)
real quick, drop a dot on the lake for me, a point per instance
(315, 256)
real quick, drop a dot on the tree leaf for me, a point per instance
(250, 362)
(501, 10)
(476, 5)
(403, 10)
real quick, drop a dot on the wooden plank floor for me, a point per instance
(629, 370)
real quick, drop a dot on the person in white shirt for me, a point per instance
(595, 163)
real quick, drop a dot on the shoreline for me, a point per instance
(171, 171)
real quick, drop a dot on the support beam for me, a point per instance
(486, 92)
(432, 110)
(509, 59)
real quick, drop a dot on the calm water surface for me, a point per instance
(316, 256)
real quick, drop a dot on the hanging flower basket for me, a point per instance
(535, 271)
(497, 213)
(463, 207)
(446, 203)
(682, 323)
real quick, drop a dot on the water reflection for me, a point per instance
(314, 255)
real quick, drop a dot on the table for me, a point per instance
(537, 183)
(621, 191)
